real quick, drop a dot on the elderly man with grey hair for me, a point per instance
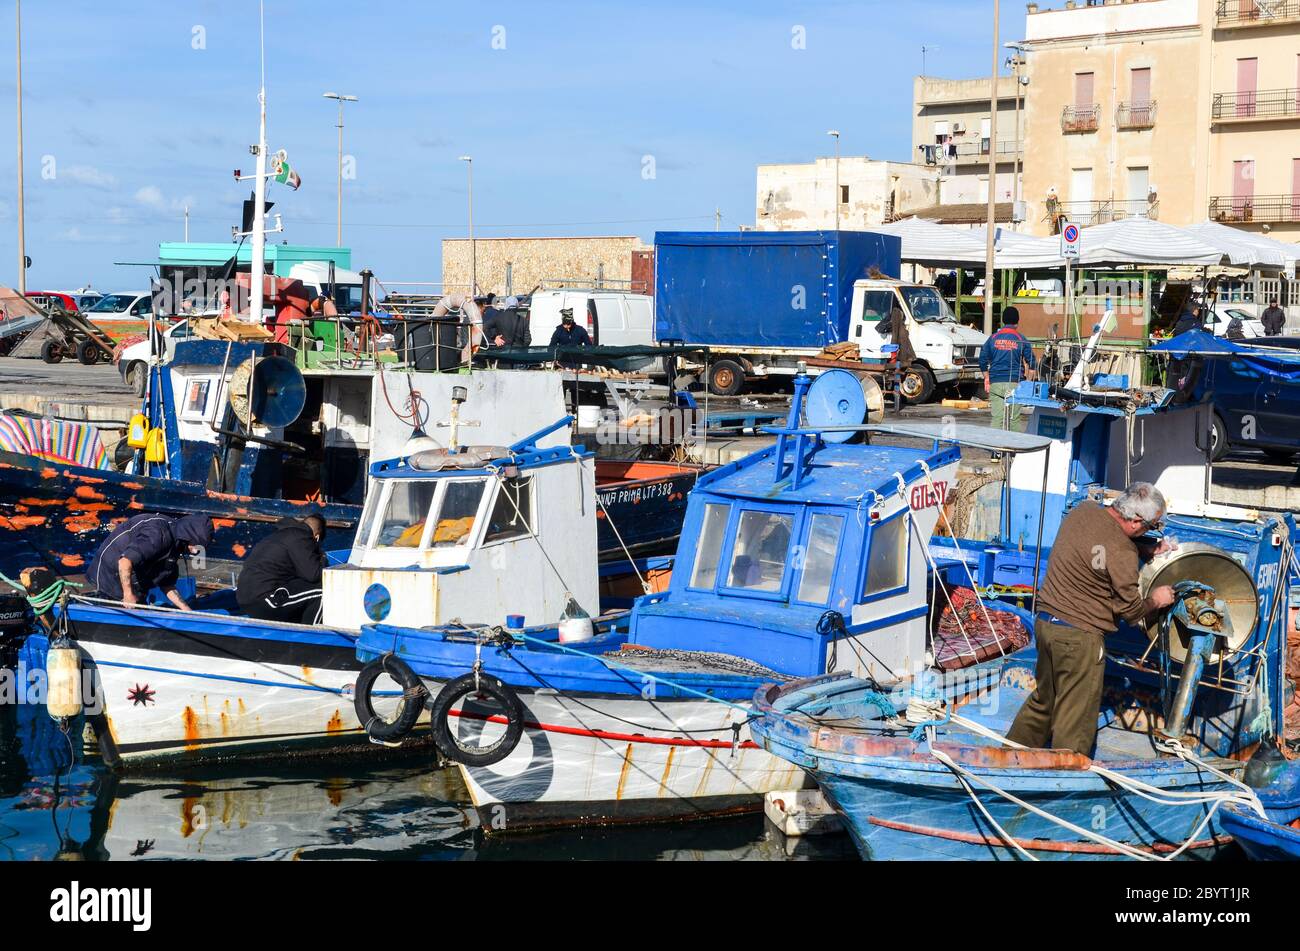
(1092, 583)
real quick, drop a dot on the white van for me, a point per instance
(315, 277)
(612, 318)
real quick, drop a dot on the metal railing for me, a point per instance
(1264, 104)
(975, 151)
(1102, 212)
(1135, 115)
(1076, 119)
(1232, 13)
(1266, 208)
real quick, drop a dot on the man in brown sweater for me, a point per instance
(1092, 582)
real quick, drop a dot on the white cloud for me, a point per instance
(89, 175)
(152, 197)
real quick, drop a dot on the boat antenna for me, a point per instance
(259, 186)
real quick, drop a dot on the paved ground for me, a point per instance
(24, 382)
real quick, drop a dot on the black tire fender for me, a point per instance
(480, 684)
(414, 696)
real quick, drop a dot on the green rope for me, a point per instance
(42, 601)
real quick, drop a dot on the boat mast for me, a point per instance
(259, 191)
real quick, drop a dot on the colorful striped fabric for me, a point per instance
(56, 440)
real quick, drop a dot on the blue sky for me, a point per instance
(126, 121)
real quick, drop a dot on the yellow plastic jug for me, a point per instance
(155, 449)
(137, 432)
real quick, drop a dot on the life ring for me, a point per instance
(483, 685)
(414, 694)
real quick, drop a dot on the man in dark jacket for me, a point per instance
(281, 579)
(508, 327)
(143, 553)
(569, 334)
(1006, 359)
(1188, 320)
(1273, 319)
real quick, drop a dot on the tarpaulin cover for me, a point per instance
(54, 439)
(1279, 364)
(784, 289)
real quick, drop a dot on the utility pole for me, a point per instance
(993, 174)
(22, 209)
(341, 99)
(473, 250)
(187, 224)
(836, 134)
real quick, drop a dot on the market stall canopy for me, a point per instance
(1144, 241)
(1260, 251)
(936, 245)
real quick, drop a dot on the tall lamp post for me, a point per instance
(993, 173)
(341, 99)
(22, 226)
(836, 134)
(1017, 62)
(473, 249)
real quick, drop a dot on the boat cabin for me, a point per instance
(807, 557)
(452, 535)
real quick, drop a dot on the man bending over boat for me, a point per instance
(1092, 582)
(144, 552)
(281, 579)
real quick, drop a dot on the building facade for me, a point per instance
(802, 197)
(507, 266)
(952, 133)
(1180, 110)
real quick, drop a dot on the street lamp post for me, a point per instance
(473, 249)
(993, 174)
(341, 99)
(836, 134)
(1017, 62)
(22, 225)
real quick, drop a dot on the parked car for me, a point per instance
(124, 306)
(54, 300)
(1253, 409)
(1218, 322)
(133, 362)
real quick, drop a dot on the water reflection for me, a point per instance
(55, 806)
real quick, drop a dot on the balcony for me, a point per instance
(1087, 213)
(1236, 14)
(974, 152)
(1135, 116)
(1077, 120)
(1257, 208)
(1261, 106)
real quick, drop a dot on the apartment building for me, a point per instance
(952, 133)
(1254, 89)
(1175, 109)
(852, 192)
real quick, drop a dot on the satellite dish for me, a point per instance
(835, 399)
(269, 391)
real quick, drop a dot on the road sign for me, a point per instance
(1071, 240)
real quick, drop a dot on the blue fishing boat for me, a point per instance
(1186, 702)
(807, 557)
(1274, 836)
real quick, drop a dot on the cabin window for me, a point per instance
(759, 555)
(512, 513)
(819, 558)
(460, 502)
(887, 558)
(406, 514)
(712, 534)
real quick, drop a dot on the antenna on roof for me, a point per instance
(924, 50)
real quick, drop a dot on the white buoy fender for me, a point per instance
(63, 671)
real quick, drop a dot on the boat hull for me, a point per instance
(894, 820)
(605, 759)
(201, 687)
(1261, 840)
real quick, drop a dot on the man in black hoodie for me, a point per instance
(143, 553)
(280, 580)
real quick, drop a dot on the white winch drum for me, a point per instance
(1212, 566)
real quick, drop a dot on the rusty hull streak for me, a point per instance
(622, 776)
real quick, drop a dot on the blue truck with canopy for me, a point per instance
(763, 301)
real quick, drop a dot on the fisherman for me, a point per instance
(144, 553)
(1006, 359)
(508, 327)
(1092, 582)
(1188, 320)
(1273, 319)
(569, 334)
(281, 579)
